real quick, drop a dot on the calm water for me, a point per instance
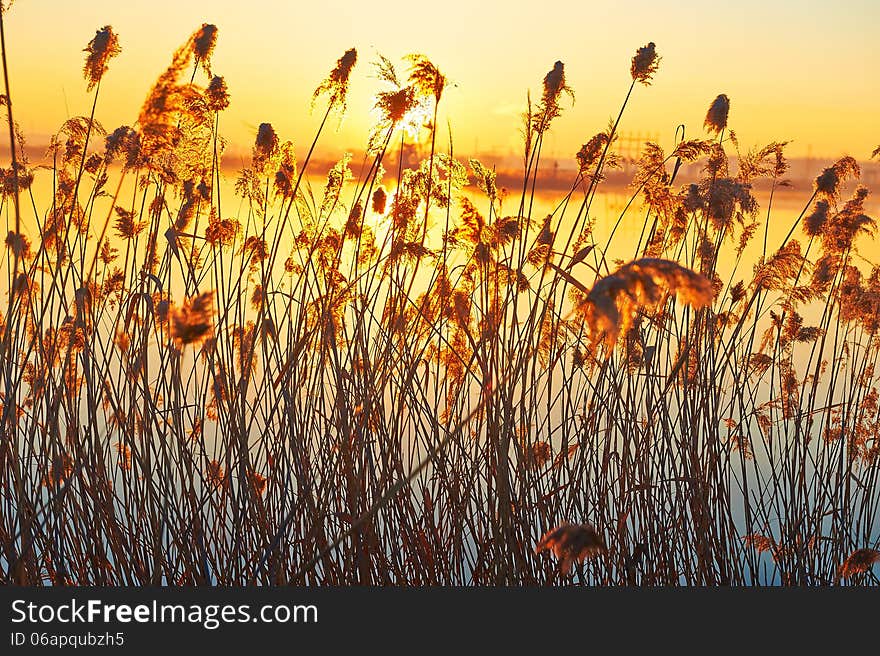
(606, 209)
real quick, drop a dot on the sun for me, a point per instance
(416, 124)
(404, 113)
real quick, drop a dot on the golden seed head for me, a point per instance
(644, 64)
(103, 47)
(716, 117)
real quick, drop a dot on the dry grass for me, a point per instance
(401, 383)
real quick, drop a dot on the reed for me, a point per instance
(415, 377)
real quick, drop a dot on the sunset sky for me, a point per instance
(797, 71)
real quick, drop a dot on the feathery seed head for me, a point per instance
(815, 221)
(572, 543)
(716, 117)
(217, 94)
(644, 64)
(336, 84)
(611, 306)
(859, 561)
(554, 83)
(380, 197)
(193, 321)
(829, 181)
(426, 77)
(591, 151)
(100, 50)
(265, 146)
(204, 40)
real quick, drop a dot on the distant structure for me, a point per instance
(630, 145)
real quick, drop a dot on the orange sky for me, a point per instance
(795, 71)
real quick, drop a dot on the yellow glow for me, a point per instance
(796, 71)
(415, 123)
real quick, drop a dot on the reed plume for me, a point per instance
(549, 108)
(644, 64)
(426, 77)
(336, 84)
(571, 543)
(828, 182)
(192, 322)
(204, 41)
(217, 94)
(716, 116)
(166, 105)
(859, 561)
(611, 306)
(101, 49)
